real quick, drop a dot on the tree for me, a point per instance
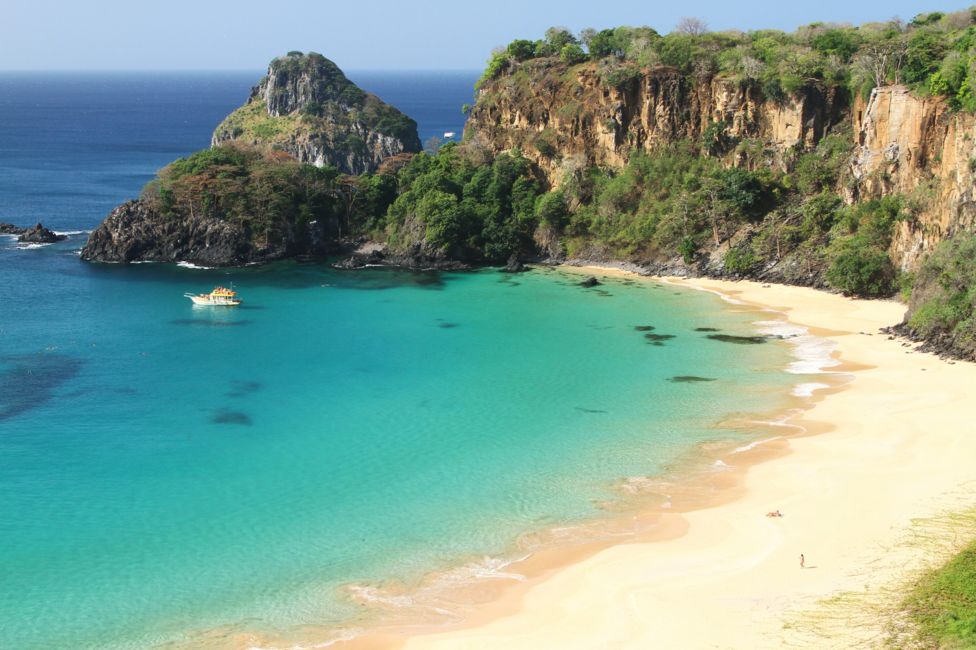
(557, 38)
(601, 44)
(521, 49)
(572, 54)
(433, 145)
(691, 26)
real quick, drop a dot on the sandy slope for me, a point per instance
(903, 442)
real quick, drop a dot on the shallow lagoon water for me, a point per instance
(175, 468)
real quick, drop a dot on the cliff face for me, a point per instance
(555, 115)
(135, 232)
(306, 106)
(917, 146)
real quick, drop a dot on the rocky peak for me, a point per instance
(297, 81)
(308, 108)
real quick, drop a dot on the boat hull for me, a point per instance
(214, 302)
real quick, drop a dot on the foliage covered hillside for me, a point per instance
(933, 54)
(270, 195)
(942, 308)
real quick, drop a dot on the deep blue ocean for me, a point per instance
(179, 474)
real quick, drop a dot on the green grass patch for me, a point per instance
(943, 603)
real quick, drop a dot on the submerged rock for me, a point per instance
(514, 265)
(225, 416)
(741, 340)
(39, 235)
(590, 282)
(644, 328)
(658, 338)
(689, 379)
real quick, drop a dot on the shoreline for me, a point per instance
(728, 564)
(645, 509)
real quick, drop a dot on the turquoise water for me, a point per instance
(168, 468)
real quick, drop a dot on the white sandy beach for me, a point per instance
(901, 446)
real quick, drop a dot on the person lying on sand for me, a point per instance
(774, 513)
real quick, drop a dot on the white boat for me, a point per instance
(449, 134)
(219, 297)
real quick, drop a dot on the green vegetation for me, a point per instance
(943, 604)
(467, 208)
(943, 299)
(272, 196)
(934, 54)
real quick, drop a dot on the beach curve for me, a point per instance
(892, 450)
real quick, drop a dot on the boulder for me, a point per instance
(39, 235)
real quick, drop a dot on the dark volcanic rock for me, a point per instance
(590, 282)
(416, 257)
(39, 235)
(135, 232)
(11, 229)
(515, 266)
(740, 340)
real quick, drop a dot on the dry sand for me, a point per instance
(901, 445)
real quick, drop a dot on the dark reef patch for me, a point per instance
(740, 340)
(225, 416)
(586, 410)
(644, 328)
(444, 325)
(689, 379)
(590, 282)
(240, 388)
(29, 380)
(707, 329)
(603, 294)
(658, 339)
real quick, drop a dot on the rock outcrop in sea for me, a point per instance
(307, 107)
(134, 231)
(39, 235)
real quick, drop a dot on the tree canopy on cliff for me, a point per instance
(934, 54)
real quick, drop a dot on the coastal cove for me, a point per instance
(605, 354)
(293, 483)
(869, 500)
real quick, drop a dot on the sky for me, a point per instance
(360, 34)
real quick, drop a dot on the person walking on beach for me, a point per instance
(803, 561)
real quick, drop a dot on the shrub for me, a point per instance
(740, 260)
(571, 54)
(860, 268)
(521, 49)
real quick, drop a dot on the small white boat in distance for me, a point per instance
(219, 297)
(449, 134)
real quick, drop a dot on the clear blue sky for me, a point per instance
(359, 34)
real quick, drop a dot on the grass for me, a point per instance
(943, 603)
(929, 607)
(252, 121)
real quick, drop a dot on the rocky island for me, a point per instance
(36, 234)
